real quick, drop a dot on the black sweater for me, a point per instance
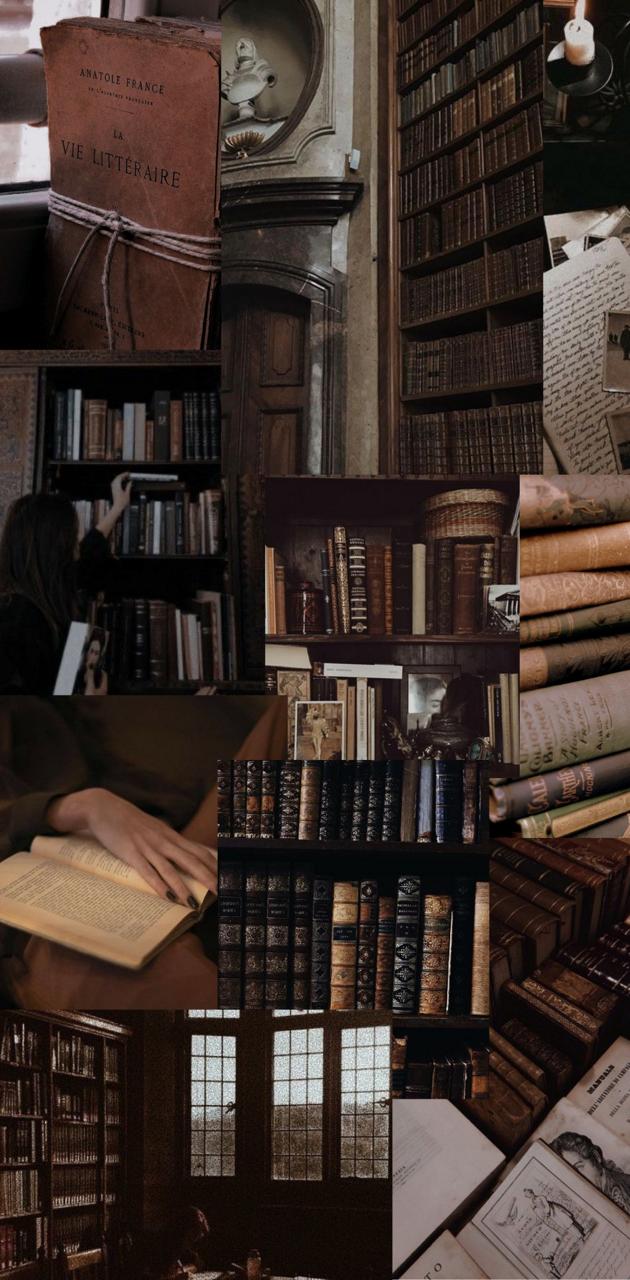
(29, 653)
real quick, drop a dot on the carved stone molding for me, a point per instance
(269, 202)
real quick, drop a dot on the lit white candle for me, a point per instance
(579, 41)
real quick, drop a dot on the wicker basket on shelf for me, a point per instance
(466, 513)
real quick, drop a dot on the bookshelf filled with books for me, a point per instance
(464, 243)
(163, 606)
(62, 1145)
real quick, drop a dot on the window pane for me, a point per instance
(364, 1131)
(23, 149)
(298, 1094)
(212, 1104)
(212, 1013)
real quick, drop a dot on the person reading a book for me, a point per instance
(44, 569)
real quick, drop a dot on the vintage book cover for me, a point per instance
(466, 558)
(546, 593)
(277, 936)
(601, 618)
(512, 1054)
(533, 1097)
(406, 945)
(602, 1004)
(557, 1066)
(593, 656)
(254, 931)
(603, 547)
(559, 501)
(269, 783)
(301, 926)
(385, 951)
(480, 991)
(533, 891)
(569, 723)
(460, 980)
(230, 928)
(545, 791)
(554, 854)
(553, 1019)
(132, 108)
(538, 927)
(310, 790)
(253, 798)
(435, 954)
(321, 941)
(367, 943)
(604, 1092)
(343, 960)
(376, 589)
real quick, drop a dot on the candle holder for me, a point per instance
(580, 82)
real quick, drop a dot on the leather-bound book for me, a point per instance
(343, 581)
(131, 109)
(334, 590)
(574, 721)
(557, 1066)
(255, 930)
(554, 903)
(460, 981)
(310, 791)
(507, 856)
(346, 797)
(388, 578)
(376, 589)
(277, 938)
(329, 802)
(406, 944)
(326, 593)
(280, 593)
(603, 1005)
(321, 941)
(525, 1065)
(419, 1080)
(530, 1093)
(503, 1115)
(345, 930)
(471, 803)
(399, 1063)
(426, 802)
(360, 793)
(606, 968)
(239, 798)
(392, 800)
(465, 588)
(409, 800)
(434, 954)
(550, 997)
(551, 854)
(253, 798)
(444, 586)
(508, 572)
(554, 1019)
(449, 801)
(230, 931)
(366, 953)
(605, 547)
(479, 1071)
(224, 799)
(538, 928)
(480, 986)
(376, 796)
(611, 855)
(385, 951)
(289, 799)
(499, 973)
(441, 1078)
(269, 784)
(430, 574)
(357, 575)
(301, 934)
(401, 585)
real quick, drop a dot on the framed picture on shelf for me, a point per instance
(502, 608)
(319, 731)
(423, 692)
(295, 686)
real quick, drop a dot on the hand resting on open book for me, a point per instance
(155, 850)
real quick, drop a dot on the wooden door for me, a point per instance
(265, 395)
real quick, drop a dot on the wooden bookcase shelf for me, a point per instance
(450, 1023)
(82, 1225)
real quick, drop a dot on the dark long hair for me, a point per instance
(37, 555)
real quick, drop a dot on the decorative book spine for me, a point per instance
(277, 937)
(255, 935)
(253, 798)
(239, 799)
(465, 588)
(430, 587)
(480, 989)
(301, 924)
(280, 591)
(366, 954)
(268, 799)
(376, 590)
(289, 799)
(224, 799)
(343, 962)
(360, 793)
(406, 944)
(449, 775)
(471, 802)
(329, 806)
(479, 1072)
(401, 573)
(310, 788)
(444, 587)
(343, 585)
(385, 952)
(392, 800)
(334, 591)
(357, 573)
(321, 942)
(326, 592)
(346, 798)
(230, 927)
(463, 894)
(426, 802)
(435, 955)
(388, 581)
(376, 796)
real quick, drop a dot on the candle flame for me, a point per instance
(580, 7)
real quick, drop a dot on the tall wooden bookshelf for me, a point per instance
(69, 1071)
(456, 71)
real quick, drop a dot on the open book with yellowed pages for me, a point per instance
(71, 890)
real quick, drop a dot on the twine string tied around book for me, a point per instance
(201, 253)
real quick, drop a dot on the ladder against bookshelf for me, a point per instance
(464, 296)
(62, 1174)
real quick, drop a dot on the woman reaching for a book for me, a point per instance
(44, 568)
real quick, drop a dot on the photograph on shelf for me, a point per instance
(319, 730)
(617, 351)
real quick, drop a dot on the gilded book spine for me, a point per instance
(301, 926)
(604, 547)
(480, 990)
(253, 798)
(392, 800)
(603, 618)
(573, 500)
(560, 787)
(310, 790)
(388, 580)
(366, 953)
(329, 807)
(277, 937)
(357, 575)
(553, 591)
(343, 583)
(224, 799)
(289, 799)
(435, 954)
(385, 952)
(334, 590)
(255, 935)
(230, 953)
(406, 944)
(239, 799)
(550, 664)
(343, 961)
(269, 781)
(376, 796)
(321, 942)
(580, 721)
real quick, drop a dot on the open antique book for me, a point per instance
(71, 890)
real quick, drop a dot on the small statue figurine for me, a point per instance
(250, 77)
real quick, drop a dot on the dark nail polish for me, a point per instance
(192, 902)
(172, 897)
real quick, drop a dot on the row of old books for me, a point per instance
(423, 17)
(19, 1192)
(472, 284)
(449, 37)
(521, 78)
(23, 1096)
(402, 588)
(515, 199)
(21, 1143)
(74, 1144)
(502, 144)
(501, 357)
(168, 429)
(74, 1186)
(575, 661)
(165, 526)
(457, 1073)
(500, 440)
(426, 800)
(73, 1054)
(291, 937)
(74, 1232)
(20, 1044)
(18, 1245)
(112, 1061)
(469, 218)
(444, 176)
(155, 642)
(76, 1103)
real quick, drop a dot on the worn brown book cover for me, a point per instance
(559, 906)
(310, 792)
(593, 656)
(435, 952)
(529, 1092)
(376, 589)
(552, 854)
(480, 991)
(538, 928)
(525, 1065)
(602, 1004)
(132, 247)
(345, 931)
(547, 593)
(466, 558)
(605, 547)
(552, 1022)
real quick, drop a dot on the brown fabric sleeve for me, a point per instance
(39, 760)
